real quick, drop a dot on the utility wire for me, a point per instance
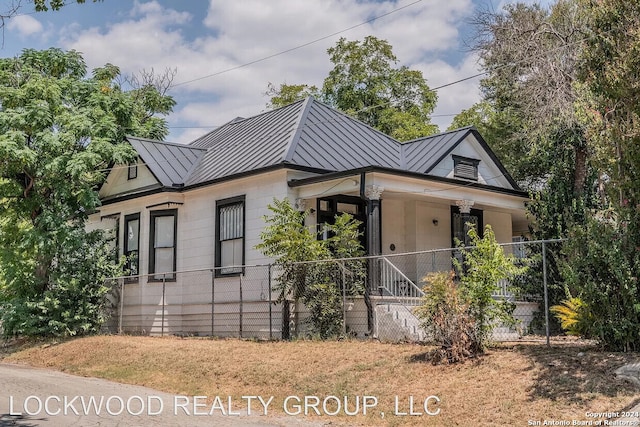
(296, 47)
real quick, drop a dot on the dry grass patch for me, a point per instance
(508, 386)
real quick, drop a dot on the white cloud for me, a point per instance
(25, 25)
(457, 97)
(234, 34)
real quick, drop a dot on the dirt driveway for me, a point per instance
(38, 397)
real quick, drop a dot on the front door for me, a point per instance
(457, 225)
(458, 236)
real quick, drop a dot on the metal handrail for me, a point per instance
(401, 285)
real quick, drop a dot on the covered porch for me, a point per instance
(405, 213)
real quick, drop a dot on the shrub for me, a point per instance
(603, 265)
(574, 316)
(485, 264)
(446, 317)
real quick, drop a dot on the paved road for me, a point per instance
(39, 397)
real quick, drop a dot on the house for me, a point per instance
(200, 206)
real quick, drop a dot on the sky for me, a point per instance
(226, 52)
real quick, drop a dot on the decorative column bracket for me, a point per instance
(373, 192)
(465, 206)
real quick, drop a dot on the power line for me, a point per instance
(217, 73)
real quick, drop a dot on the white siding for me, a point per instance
(488, 172)
(118, 183)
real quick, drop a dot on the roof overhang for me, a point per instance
(429, 178)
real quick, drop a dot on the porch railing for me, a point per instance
(394, 283)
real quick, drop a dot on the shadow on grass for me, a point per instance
(14, 345)
(576, 374)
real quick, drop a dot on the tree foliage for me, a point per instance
(59, 134)
(306, 265)
(603, 255)
(12, 8)
(603, 266)
(531, 55)
(483, 267)
(366, 84)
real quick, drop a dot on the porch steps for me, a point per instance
(397, 323)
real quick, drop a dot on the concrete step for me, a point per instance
(396, 323)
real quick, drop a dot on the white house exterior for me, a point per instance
(201, 205)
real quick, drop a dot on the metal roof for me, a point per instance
(244, 145)
(307, 134)
(171, 164)
(423, 154)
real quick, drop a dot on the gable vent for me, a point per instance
(464, 167)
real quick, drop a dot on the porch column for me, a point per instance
(465, 211)
(374, 247)
(374, 233)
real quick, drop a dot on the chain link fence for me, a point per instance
(197, 303)
(247, 303)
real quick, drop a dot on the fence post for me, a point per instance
(213, 299)
(270, 310)
(433, 262)
(546, 294)
(344, 299)
(121, 306)
(164, 282)
(241, 306)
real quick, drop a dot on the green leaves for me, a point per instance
(306, 270)
(59, 133)
(365, 84)
(485, 265)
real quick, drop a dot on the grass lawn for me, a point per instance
(510, 385)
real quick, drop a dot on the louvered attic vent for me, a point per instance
(464, 167)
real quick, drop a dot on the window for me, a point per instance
(230, 235)
(132, 172)
(162, 248)
(132, 244)
(464, 167)
(329, 207)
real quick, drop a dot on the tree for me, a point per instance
(12, 8)
(59, 134)
(286, 94)
(604, 256)
(365, 84)
(530, 54)
(307, 269)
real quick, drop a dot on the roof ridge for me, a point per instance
(240, 120)
(156, 141)
(295, 138)
(464, 128)
(357, 120)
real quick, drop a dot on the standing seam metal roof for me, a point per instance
(169, 163)
(306, 133)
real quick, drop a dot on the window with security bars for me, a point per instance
(464, 167)
(230, 235)
(162, 251)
